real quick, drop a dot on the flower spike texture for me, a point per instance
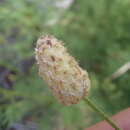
(68, 82)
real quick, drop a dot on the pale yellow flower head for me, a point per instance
(68, 82)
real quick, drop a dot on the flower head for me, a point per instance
(68, 82)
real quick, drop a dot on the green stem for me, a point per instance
(102, 114)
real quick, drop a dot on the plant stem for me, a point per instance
(101, 113)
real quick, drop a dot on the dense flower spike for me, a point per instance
(68, 82)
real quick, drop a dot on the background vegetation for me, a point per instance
(97, 33)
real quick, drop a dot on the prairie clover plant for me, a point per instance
(68, 82)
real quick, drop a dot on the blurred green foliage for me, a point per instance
(96, 33)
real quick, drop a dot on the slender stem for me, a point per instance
(102, 114)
